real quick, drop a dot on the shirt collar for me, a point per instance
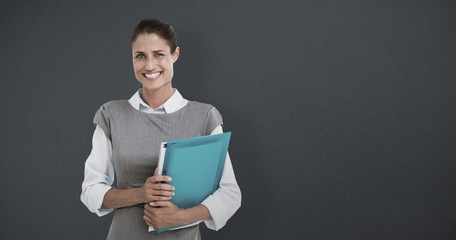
(174, 103)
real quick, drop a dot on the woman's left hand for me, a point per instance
(161, 214)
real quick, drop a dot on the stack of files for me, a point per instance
(195, 166)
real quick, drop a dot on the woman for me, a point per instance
(126, 145)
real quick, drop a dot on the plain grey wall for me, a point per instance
(343, 113)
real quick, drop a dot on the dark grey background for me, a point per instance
(343, 113)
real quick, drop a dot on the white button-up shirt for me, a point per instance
(99, 170)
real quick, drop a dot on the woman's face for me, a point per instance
(153, 62)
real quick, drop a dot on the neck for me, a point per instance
(156, 98)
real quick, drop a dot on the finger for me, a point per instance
(159, 192)
(152, 197)
(161, 204)
(163, 187)
(147, 210)
(147, 215)
(164, 178)
(158, 179)
(148, 221)
(163, 198)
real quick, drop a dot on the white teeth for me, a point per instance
(153, 75)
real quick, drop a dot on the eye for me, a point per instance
(140, 56)
(158, 54)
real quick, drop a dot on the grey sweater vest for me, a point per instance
(136, 138)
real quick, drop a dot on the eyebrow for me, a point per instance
(156, 51)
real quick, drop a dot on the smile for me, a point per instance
(152, 75)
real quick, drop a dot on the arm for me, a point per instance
(226, 200)
(161, 214)
(98, 194)
(153, 190)
(98, 173)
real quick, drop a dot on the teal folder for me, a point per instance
(195, 166)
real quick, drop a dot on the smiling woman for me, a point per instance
(153, 65)
(126, 148)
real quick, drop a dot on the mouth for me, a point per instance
(152, 76)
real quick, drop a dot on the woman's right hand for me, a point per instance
(156, 188)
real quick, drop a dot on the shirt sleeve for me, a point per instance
(226, 200)
(98, 173)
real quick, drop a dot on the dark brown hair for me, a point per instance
(162, 29)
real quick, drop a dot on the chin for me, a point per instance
(156, 87)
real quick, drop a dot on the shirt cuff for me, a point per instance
(222, 207)
(97, 193)
(214, 205)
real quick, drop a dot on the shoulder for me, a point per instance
(111, 108)
(114, 104)
(211, 117)
(204, 107)
(205, 110)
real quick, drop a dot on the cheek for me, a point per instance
(137, 71)
(170, 66)
(137, 66)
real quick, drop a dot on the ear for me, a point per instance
(176, 54)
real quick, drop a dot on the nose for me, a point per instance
(150, 64)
